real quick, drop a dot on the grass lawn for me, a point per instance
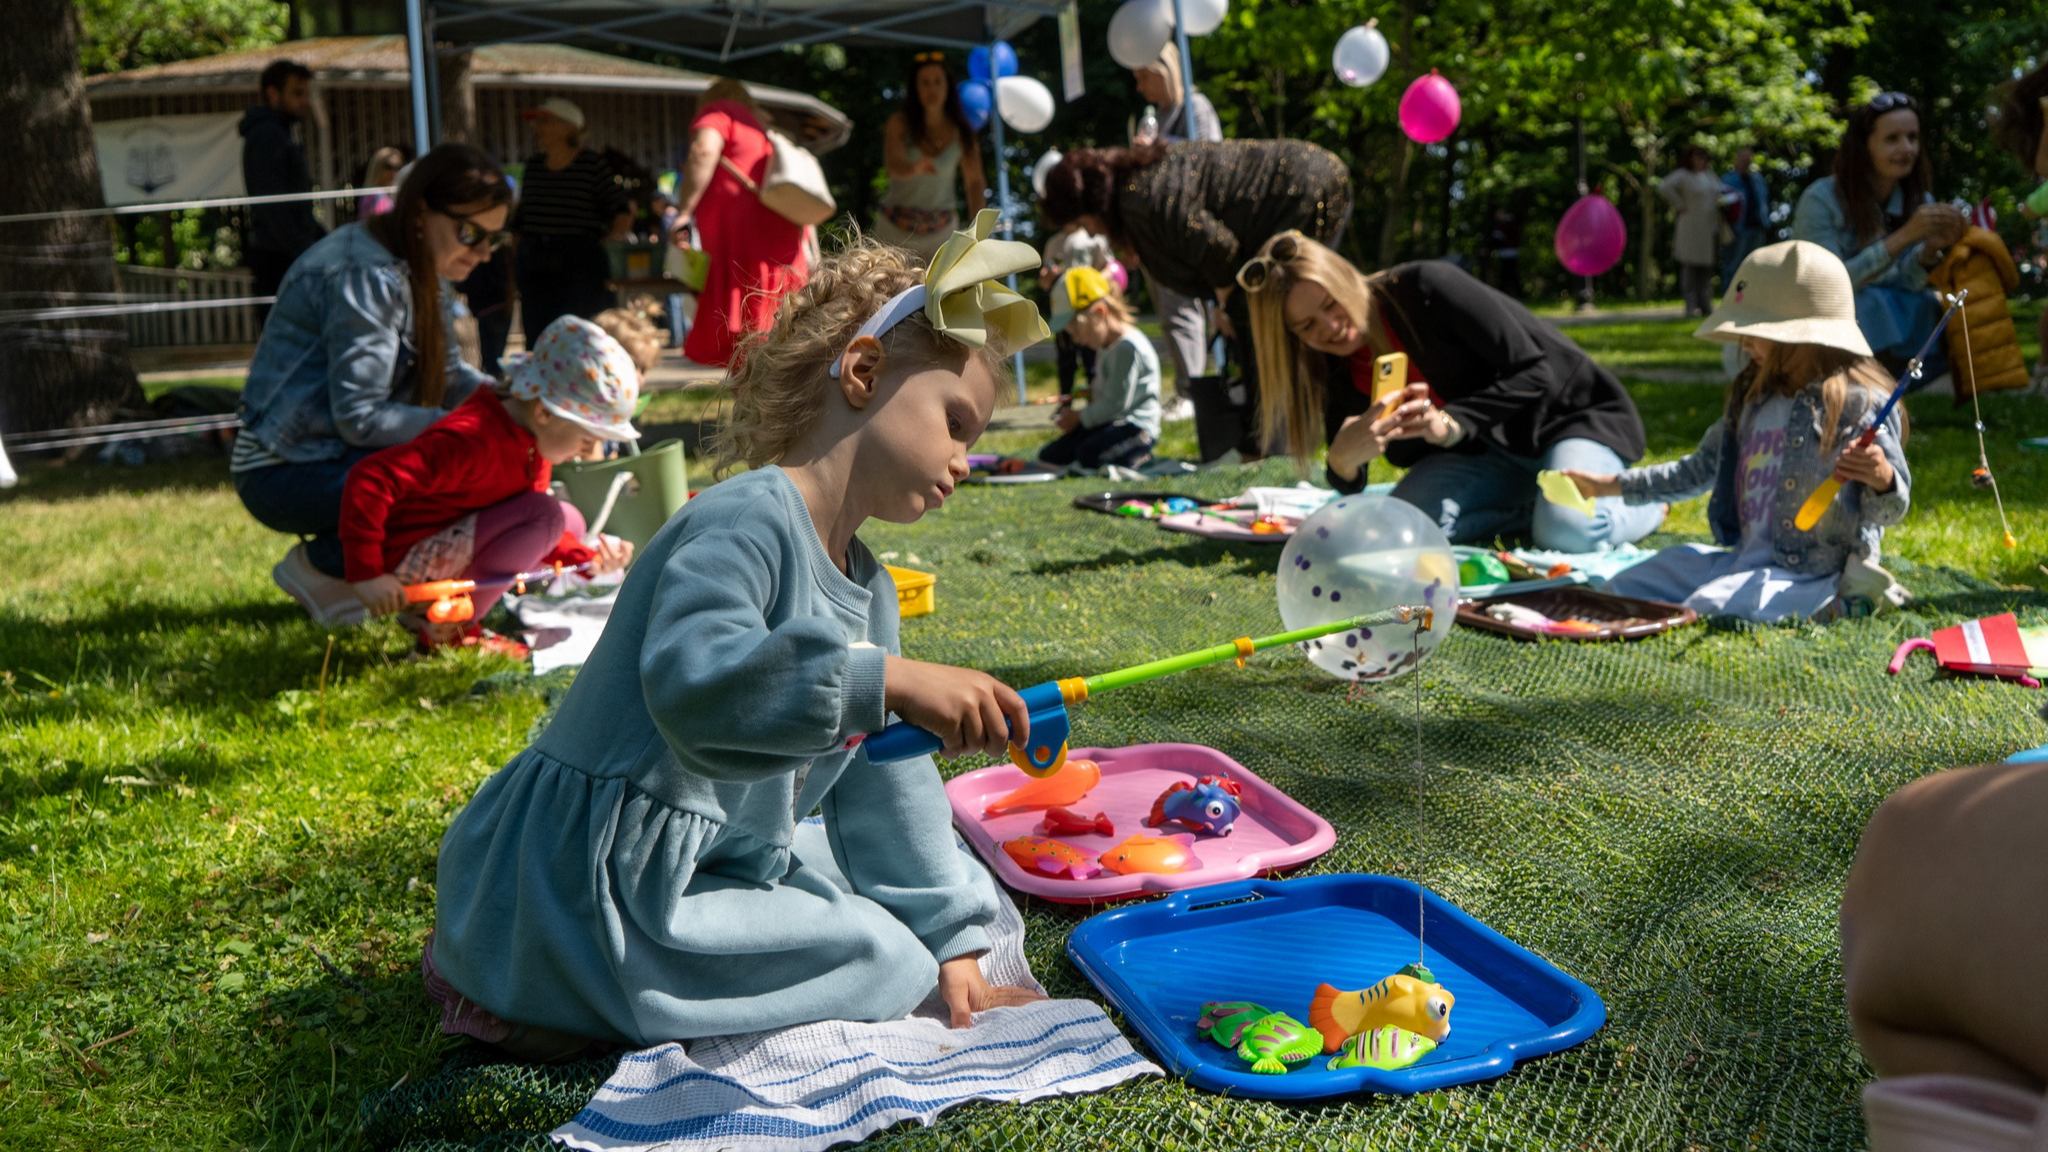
(218, 823)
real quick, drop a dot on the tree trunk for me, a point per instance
(458, 96)
(1397, 199)
(54, 373)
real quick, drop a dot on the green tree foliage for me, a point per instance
(120, 34)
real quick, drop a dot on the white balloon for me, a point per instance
(1203, 16)
(1139, 31)
(1025, 103)
(1361, 56)
(1046, 163)
(1362, 554)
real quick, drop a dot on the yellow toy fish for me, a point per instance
(1403, 1001)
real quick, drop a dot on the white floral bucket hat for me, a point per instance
(579, 373)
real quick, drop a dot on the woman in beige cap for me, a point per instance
(1791, 422)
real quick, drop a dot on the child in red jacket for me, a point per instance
(468, 498)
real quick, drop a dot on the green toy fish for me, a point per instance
(1226, 1021)
(1270, 1042)
(1389, 1049)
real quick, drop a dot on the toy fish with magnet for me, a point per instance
(1388, 1049)
(1056, 858)
(1209, 805)
(1226, 1021)
(1067, 822)
(1074, 780)
(1158, 854)
(1410, 999)
(1277, 1041)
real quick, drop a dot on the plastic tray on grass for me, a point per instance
(1109, 502)
(1274, 831)
(986, 469)
(1229, 524)
(1615, 617)
(1273, 941)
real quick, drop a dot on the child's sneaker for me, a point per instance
(474, 637)
(326, 599)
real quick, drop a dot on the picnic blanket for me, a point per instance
(561, 622)
(808, 1088)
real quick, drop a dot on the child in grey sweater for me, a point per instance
(1121, 422)
(640, 874)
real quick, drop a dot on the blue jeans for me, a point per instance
(1476, 499)
(304, 500)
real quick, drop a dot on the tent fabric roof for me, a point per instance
(720, 30)
(379, 61)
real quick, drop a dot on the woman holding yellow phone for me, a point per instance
(1447, 378)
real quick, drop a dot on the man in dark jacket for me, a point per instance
(274, 163)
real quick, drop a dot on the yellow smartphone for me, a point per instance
(1389, 375)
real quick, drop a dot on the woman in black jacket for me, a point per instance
(1193, 212)
(1494, 394)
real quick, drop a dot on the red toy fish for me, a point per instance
(1056, 858)
(1067, 822)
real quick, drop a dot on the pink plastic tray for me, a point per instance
(1273, 831)
(1229, 524)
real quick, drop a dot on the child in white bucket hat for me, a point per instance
(468, 498)
(1789, 425)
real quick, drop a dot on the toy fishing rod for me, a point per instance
(448, 601)
(1816, 505)
(1047, 702)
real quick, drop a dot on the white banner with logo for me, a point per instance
(168, 158)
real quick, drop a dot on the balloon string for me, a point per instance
(1977, 411)
(1415, 643)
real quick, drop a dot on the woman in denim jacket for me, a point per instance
(346, 367)
(1877, 213)
(1791, 422)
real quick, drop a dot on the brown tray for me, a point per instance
(1618, 617)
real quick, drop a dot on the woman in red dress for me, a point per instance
(756, 254)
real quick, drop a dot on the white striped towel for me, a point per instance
(808, 1088)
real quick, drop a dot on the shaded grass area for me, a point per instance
(218, 826)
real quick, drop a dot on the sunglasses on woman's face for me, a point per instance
(1261, 269)
(1890, 102)
(470, 234)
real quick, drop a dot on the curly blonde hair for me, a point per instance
(779, 382)
(634, 332)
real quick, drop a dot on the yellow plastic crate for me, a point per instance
(916, 592)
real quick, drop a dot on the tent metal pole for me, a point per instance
(1003, 204)
(1187, 74)
(416, 74)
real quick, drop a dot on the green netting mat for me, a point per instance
(1669, 820)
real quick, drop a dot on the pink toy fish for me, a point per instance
(1063, 787)
(1056, 858)
(1161, 854)
(1067, 822)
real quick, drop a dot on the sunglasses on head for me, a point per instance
(1260, 270)
(470, 234)
(929, 58)
(1890, 101)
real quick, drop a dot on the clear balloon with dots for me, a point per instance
(1362, 554)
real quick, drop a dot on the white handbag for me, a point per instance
(794, 185)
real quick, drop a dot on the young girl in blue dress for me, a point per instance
(640, 873)
(1791, 421)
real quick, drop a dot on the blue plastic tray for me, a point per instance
(1273, 941)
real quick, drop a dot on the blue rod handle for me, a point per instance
(1049, 729)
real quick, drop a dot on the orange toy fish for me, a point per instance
(1175, 853)
(1047, 857)
(1063, 787)
(1403, 1001)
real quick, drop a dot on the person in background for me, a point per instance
(1072, 247)
(274, 164)
(1183, 317)
(2022, 115)
(570, 206)
(666, 214)
(757, 255)
(1877, 212)
(1752, 216)
(361, 354)
(928, 147)
(1121, 421)
(380, 172)
(1695, 198)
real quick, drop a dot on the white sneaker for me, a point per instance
(1181, 408)
(326, 599)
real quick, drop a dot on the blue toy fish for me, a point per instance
(1210, 805)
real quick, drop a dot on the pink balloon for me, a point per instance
(1118, 275)
(1591, 236)
(1429, 109)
